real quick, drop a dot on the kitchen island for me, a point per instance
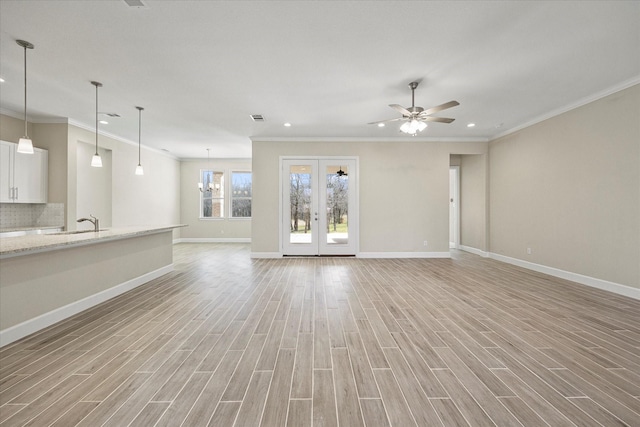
(50, 277)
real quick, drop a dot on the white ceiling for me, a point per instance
(200, 68)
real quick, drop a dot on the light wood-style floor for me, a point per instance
(229, 341)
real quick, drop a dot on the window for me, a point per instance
(241, 194)
(212, 201)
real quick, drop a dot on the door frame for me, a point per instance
(456, 211)
(354, 231)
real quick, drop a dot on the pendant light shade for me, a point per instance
(96, 160)
(25, 145)
(139, 170)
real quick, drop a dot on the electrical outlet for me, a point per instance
(426, 243)
(528, 251)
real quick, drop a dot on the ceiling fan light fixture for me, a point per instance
(413, 126)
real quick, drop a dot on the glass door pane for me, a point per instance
(337, 204)
(300, 199)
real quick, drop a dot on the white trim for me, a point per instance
(266, 255)
(617, 288)
(579, 103)
(406, 138)
(213, 240)
(475, 251)
(403, 255)
(21, 330)
(83, 126)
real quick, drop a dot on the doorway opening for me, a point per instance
(454, 207)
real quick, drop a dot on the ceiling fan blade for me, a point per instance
(401, 109)
(387, 121)
(436, 119)
(439, 108)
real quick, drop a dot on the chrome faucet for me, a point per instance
(94, 221)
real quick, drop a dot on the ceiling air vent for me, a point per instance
(135, 3)
(257, 118)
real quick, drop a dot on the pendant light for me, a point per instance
(96, 160)
(139, 170)
(210, 185)
(25, 145)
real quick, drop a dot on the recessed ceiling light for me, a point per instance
(104, 122)
(380, 125)
(1, 80)
(470, 125)
(287, 124)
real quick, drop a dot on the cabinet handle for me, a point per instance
(12, 194)
(16, 191)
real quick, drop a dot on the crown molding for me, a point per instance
(367, 139)
(119, 138)
(31, 119)
(572, 106)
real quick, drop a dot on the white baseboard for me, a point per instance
(21, 330)
(266, 255)
(475, 251)
(605, 285)
(403, 255)
(213, 240)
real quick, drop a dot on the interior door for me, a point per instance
(319, 206)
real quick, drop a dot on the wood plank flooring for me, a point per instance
(225, 340)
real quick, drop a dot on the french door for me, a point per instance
(319, 206)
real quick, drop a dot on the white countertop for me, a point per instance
(24, 245)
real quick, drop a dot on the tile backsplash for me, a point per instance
(16, 215)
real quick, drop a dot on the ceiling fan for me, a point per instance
(415, 118)
(341, 172)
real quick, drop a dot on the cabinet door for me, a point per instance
(6, 171)
(30, 176)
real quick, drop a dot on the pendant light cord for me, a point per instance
(96, 120)
(25, 91)
(139, 131)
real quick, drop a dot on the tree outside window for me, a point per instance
(241, 194)
(212, 202)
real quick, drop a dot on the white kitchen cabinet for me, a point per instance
(23, 177)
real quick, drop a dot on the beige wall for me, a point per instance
(226, 228)
(569, 189)
(53, 137)
(151, 199)
(404, 191)
(473, 202)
